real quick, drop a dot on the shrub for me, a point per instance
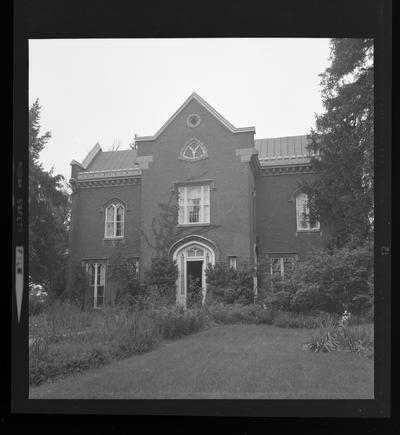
(229, 286)
(288, 319)
(123, 272)
(194, 293)
(359, 338)
(175, 323)
(64, 315)
(38, 299)
(334, 280)
(161, 277)
(80, 287)
(235, 313)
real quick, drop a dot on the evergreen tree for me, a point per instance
(48, 214)
(341, 197)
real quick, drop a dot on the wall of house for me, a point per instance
(87, 240)
(276, 217)
(230, 217)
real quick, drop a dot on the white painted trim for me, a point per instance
(299, 228)
(213, 112)
(89, 158)
(114, 205)
(210, 242)
(181, 298)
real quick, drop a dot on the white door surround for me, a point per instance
(191, 251)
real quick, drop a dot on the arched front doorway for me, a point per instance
(192, 259)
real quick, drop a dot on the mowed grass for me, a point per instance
(225, 362)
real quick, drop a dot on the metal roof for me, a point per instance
(281, 150)
(109, 160)
(271, 152)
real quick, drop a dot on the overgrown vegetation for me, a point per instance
(227, 285)
(331, 335)
(65, 339)
(331, 280)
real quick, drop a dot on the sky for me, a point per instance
(106, 90)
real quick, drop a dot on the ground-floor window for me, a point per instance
(97, 279)
(232, 261)
(281, 265)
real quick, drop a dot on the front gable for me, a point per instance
(196, 138)
(189, 120)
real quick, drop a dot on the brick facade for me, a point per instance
(252, 201)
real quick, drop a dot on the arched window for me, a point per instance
(302, 213)
(193, 150)
(114, 221)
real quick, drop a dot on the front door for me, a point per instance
(192, 261)
(194, 280)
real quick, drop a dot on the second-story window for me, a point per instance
(115, 221)
(302, 214)
(194, 204)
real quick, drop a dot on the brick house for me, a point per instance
(200, 191)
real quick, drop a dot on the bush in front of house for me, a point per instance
(161, 279)
(194, 293)
(290, 319)
(229, 286)
(175, 323)
(123, 272)
(236, 313)
(335, 280)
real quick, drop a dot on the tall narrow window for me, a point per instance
(302, 214)
(97, 278)
(115, 221)
(232, 261)
(194, 204)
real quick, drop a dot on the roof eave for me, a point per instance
(89, 158)
(207, 107)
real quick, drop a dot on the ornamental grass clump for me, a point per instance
(324, 338)
(333, 334)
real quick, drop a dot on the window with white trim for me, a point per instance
(97, 279)
(193, 150)
(114, 225)
(232, 262)
(194, 204)
(281, 265)
(302, 214)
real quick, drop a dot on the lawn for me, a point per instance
(224, 362)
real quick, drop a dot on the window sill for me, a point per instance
(308, 231)
(114, 238)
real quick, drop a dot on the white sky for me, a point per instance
(101, 90)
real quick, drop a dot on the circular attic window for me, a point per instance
(193, 120)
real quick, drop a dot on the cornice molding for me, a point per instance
(109, 173)
(286, 170)
(107, 182)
